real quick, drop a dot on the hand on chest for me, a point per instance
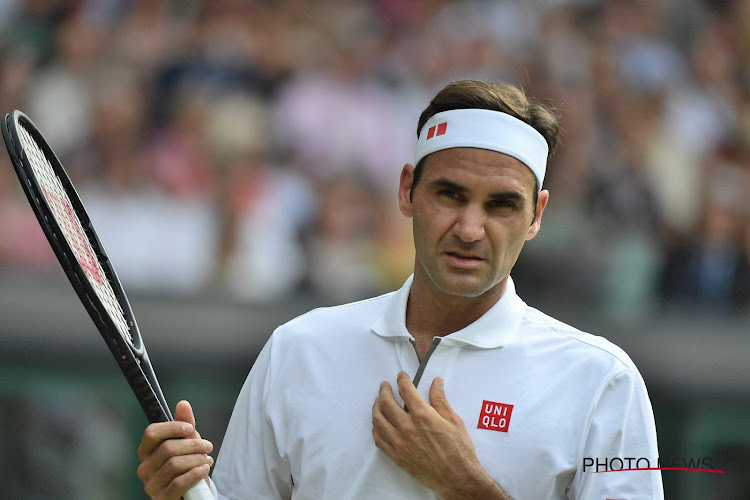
(511, 410)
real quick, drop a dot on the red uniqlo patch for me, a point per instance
(495, 416)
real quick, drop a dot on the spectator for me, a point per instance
(650, 93)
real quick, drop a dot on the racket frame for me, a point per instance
(132, 358)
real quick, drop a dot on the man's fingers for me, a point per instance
(172, 468)
(176, 467)
(185, 476)
(173, 448)
(381, 423)
(183, 412)
(390, 407)
(383, 442)
(157, 433)
(409, 393)
(439, 401)
(173, 455)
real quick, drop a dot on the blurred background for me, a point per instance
(240, 161)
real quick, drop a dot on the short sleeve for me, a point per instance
(249, 464)
(621, 428)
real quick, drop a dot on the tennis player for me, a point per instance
(452, 386)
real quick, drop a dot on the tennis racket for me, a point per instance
(73, 238)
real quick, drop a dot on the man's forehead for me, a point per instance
(478, 165)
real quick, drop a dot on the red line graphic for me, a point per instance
(713, 471)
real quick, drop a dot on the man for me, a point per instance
(481, 395)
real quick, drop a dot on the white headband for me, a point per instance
(486, 129)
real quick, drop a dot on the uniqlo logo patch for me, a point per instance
(495, 416)
(437, 130)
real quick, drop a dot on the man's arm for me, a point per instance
(430, 442)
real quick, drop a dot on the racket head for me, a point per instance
(75, 242)
(68, 228)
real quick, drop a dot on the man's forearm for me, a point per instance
(482, 486)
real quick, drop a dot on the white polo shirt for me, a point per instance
(302, 425)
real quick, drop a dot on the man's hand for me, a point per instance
(430, 442)
(170, 466)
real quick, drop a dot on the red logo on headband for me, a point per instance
(436, 130)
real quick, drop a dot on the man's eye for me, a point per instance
(500, 204)
(450, 194)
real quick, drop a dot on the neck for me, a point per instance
(433, 313)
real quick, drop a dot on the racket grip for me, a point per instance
(199, 491)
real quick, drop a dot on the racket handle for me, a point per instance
(199, 491)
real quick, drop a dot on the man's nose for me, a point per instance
(469, 226)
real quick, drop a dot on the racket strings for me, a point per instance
(72, 229)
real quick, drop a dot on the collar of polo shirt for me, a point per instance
(493, 329)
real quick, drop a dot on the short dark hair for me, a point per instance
(495, 96)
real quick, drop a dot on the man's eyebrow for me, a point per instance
(445, 183)
(510, 195)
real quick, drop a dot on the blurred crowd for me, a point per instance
(253, 148)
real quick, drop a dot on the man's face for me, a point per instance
(472, 211)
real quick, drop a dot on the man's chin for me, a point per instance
(462, 286)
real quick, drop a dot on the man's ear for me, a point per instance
(541, 204)
(405, 183)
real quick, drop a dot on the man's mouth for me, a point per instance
(463, 255)
(463, 259)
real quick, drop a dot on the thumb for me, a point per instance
(183, 412)
(438, 399)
